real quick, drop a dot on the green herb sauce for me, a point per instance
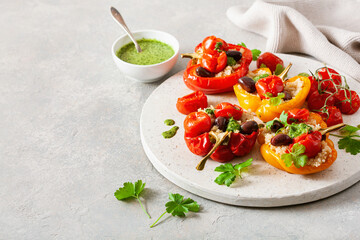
(170, 133)
(169, 122)
(153, 52)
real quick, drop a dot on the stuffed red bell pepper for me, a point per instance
(203, 128)
(216, 66)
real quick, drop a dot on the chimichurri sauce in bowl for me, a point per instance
(153, 52)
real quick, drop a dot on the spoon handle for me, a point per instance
(119, 19)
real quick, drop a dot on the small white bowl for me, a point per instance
(146, 73)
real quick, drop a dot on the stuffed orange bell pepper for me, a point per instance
(297, 145)
(269, 96)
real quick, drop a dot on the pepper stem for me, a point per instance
(286, 70)
(202, 162)
(332, 128)
(190, 55)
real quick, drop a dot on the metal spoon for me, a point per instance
(117, 16)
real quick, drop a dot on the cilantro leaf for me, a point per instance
(296, 156)
(177, 206)
(131, 190)
(233, 125)
(231, 61)
(349, 129)
(218, 46)
(230, 172)
(256, 53)
(279, 69)
(296, 130)
(303, 74)
(276, 101)
(242, 44)
(263, 66)
(260, 77)
(283, 118)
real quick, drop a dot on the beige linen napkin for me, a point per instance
(287, 30)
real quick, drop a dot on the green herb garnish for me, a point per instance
(231, 61)
(178, 207)
(350, 141)
(256, 53)
(169, 122)
(242, 44)
(296, 130)
(260, 77)
(217, 46)
(283, 119)
(303, 74)
(230, 172)
(131, 190)
(296, 156)
(263, 66)
(276, 101)
(233, 125)
(210, 111)
(279, 69)
(170, 133)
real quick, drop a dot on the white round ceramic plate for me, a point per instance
(263, 185)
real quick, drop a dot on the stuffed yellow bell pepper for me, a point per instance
(299, 147)
(270, 95)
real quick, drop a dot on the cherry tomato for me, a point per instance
(329, 73)
(313, 87)
(270, 60)
(311, 141)
(221, 62)
(347, 101)
(331, 116)
(228, 110)
(272, 84)
(316, 100)
(199, 145)
(197, 123)
(191, 102)
(298, 115)
(209, 62)
(209, 45)
(241, 144)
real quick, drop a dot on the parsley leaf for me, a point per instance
(177, 206)
(260, 77)
(256, 53)
(218, 46)
(233, 125)
(210, 111)
(296, 156)
(263, 66)
(230, 172)
(131, 190)
(296, 130)
(231, 61)
(350, 141)
(279, 69)
(276, 101)
(303, 74)
(242, 44)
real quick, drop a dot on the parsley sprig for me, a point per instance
(177, 206)
(131, 190)
(230, 172)
(283, 119)
(296, 156)
(279, 69)
(350, 140)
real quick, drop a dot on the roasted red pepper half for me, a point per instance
(191, 102)
(213, 85)
(197, 137)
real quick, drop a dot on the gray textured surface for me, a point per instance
(69, 133)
